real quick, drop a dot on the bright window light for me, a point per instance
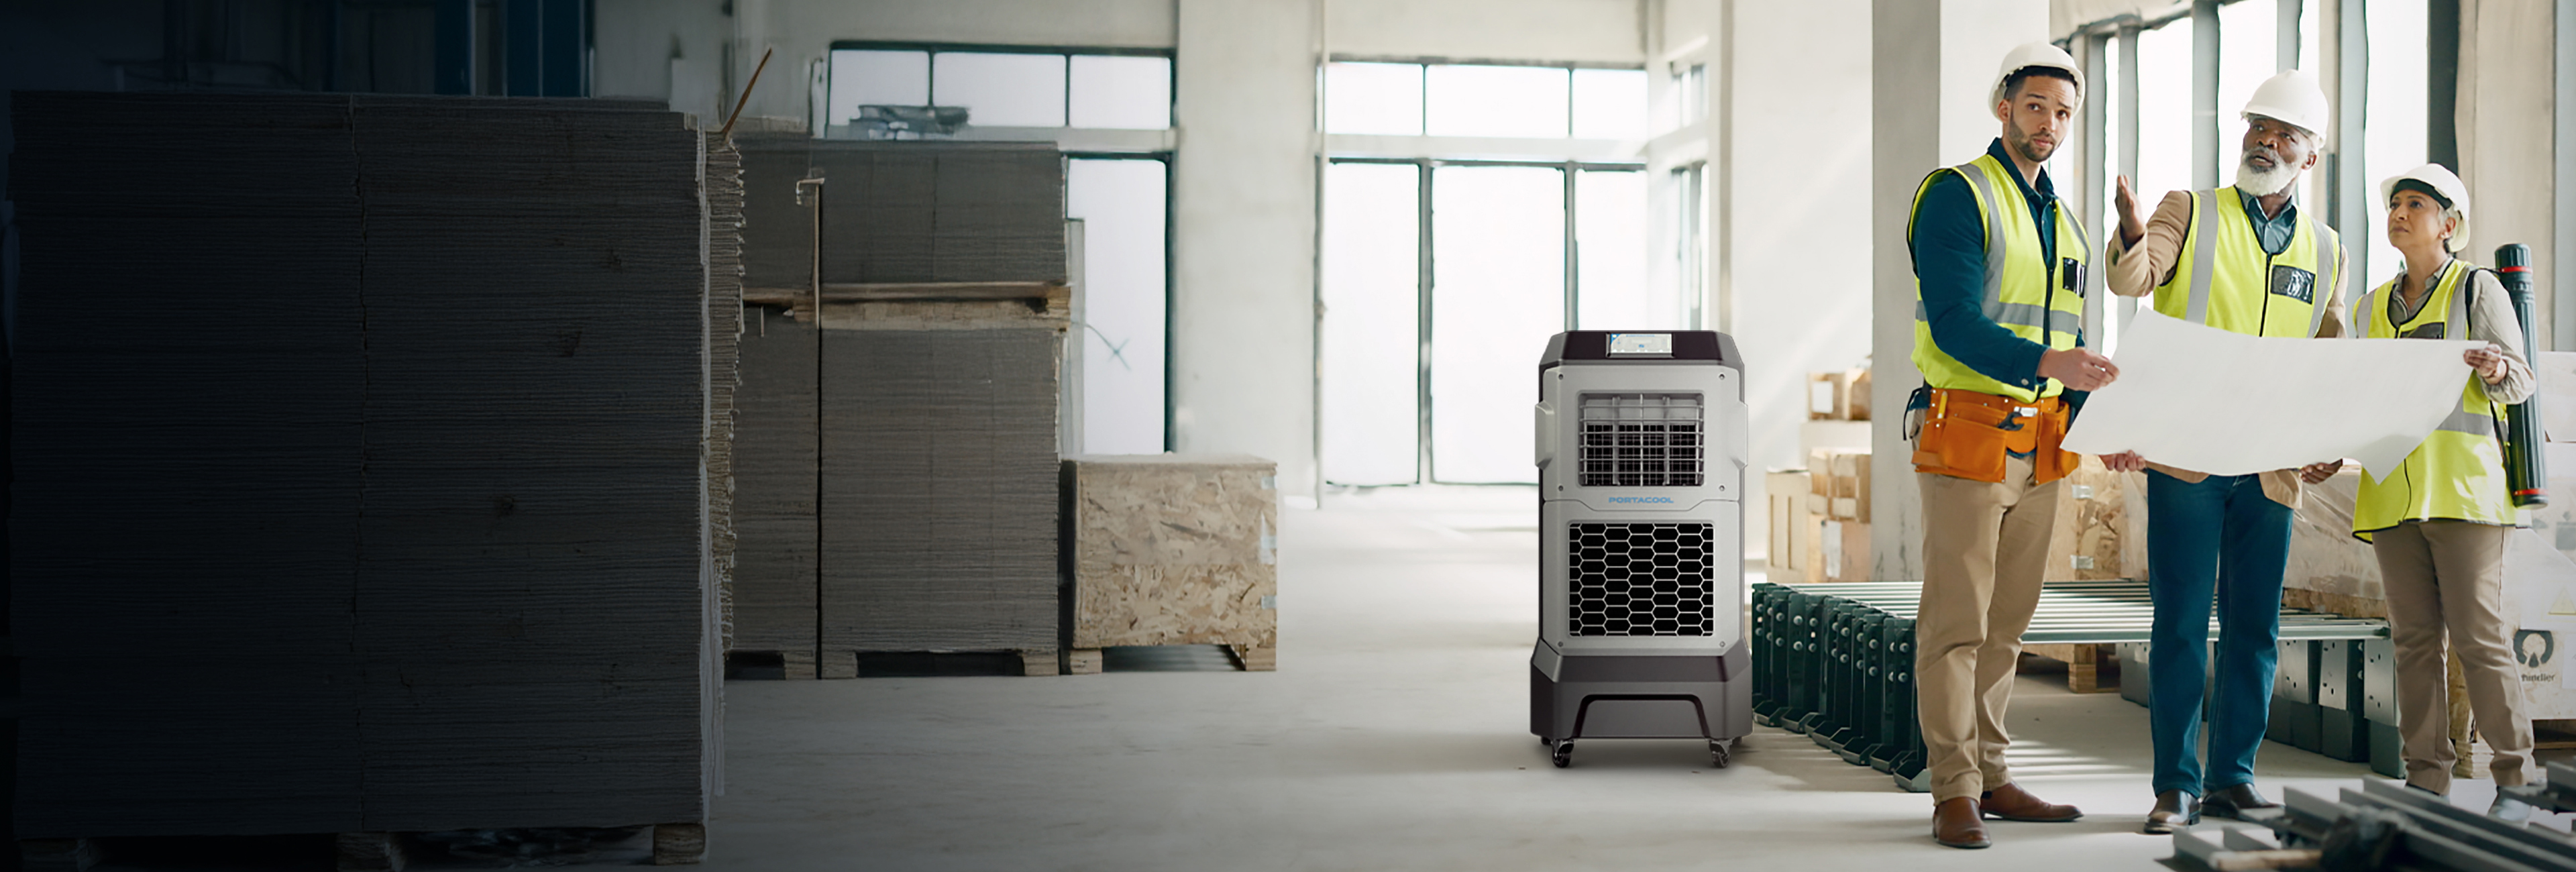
(1610, 104)
(1001, 90)
(1498, 293)
(2164, 113)
(2396, 123)
(1372, 341)
(1527, 102)
(1610, 249)
(1121, 204)
(1384, 99)
(2249, 52)
(877, 78)
(1130, 93)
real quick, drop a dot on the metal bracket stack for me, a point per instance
(2384, 825)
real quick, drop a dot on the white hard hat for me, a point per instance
(2444, 183)
(2294, 97)
(2038, 54)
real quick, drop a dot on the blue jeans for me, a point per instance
(2217, 540)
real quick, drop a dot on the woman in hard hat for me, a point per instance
(2438, 523)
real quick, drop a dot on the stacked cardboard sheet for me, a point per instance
(363, 484)
(897, 455)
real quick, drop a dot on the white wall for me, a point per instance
(1799, 213)
(1243, 314)
(2507, 141)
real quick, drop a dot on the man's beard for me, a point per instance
(2028, 150)
(2262, 182)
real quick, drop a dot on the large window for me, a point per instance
(2251, 47)
(2396, 141)
(996, 88)
(1110, 110)
(1445, 271)
(1121, 202)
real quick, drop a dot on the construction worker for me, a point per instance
(2438, 522)
(2244, 258)
(1999, 289)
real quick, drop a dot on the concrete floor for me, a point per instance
(1392, 737)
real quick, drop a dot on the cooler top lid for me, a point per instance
(1702, 346)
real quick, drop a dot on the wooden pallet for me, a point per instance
(673, 845)
(1087, 661)
(2090, 668)
(845, 664)
(795, 664)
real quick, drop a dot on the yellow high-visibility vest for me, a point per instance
(2021, 285)
(2223, 278)
(2458, 472)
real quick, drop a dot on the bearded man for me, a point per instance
(2241, 258)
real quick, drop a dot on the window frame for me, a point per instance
(1426, 471)
(1071, 138)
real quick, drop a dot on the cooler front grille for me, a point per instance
(1642, 440)
(1638, 579)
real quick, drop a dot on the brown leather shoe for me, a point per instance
(2174, 810)
(2011, 803)
(1955, 823)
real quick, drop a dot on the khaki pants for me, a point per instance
(2447, 578)
(1985, 552)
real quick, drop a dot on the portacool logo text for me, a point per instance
(1664, 500)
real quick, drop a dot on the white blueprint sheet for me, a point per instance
(2223, 403)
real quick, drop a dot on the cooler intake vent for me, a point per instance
(1638, 579)
(1642, 440)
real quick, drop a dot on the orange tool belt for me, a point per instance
(1966, 435)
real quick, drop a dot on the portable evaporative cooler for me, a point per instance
(1641, 557)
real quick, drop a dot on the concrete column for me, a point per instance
(2507, 139)
(1933, 67)
(1243, 264)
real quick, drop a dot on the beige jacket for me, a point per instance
(2137, 270)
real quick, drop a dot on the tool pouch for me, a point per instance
(1964, 440)
(2049, 463)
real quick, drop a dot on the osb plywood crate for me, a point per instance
(1840, 483)
(1173, 549)
(1796, 551)
(1839, 396)
(2100, 525)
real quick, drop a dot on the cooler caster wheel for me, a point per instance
(1720, 752)
(1563, 755)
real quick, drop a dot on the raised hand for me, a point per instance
(2133, 224)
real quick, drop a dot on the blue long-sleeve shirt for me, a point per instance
(1950, 266)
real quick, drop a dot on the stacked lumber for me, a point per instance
(363, 465)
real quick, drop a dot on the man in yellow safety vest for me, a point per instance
(1999, 291)
(2241, 258)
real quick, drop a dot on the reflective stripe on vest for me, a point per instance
(2457, 473)
(2219, 216)
(2017, 281)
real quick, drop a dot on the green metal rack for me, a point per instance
(1836, 661)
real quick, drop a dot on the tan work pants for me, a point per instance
(2447, 577)
(1985, 552)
